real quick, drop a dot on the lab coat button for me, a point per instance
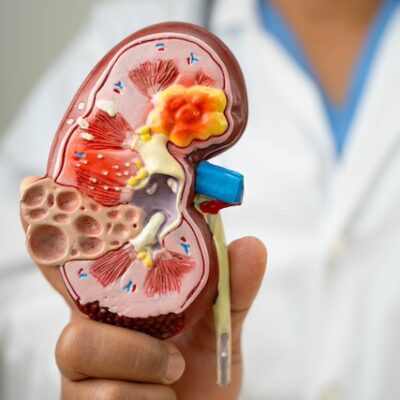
(331, 393)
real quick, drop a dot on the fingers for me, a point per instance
(248, 258)
(89, 349)
(102, 389)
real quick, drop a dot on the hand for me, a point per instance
(100, 361)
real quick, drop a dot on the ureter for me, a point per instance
(157, 159)
(222, 305)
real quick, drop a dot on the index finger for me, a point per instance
(88, 349)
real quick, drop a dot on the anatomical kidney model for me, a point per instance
(128, 209)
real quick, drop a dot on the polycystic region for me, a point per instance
(74, 226)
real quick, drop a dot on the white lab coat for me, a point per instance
(326, 323)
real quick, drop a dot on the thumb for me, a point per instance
(248, 258)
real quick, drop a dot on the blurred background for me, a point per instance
(325, 322)
(50, 25)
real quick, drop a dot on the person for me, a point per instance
(320, 156)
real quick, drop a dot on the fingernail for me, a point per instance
(176, 366)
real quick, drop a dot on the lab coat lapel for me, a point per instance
(299, 91)
(375, 133)
(272, 68)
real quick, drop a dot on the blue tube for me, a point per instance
(219, 183)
